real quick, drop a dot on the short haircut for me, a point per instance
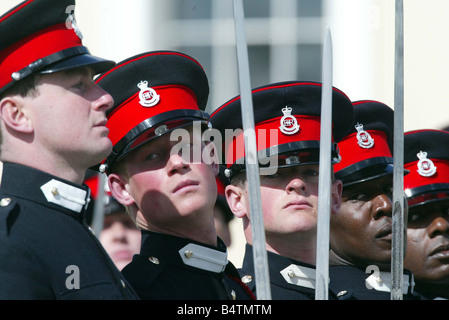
(24, 87)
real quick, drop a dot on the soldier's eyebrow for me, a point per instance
(83, 72)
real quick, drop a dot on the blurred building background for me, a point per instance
(285, 43)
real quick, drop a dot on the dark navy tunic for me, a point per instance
(173, 268)
(47, 251)
(289, 279)
(350, 283)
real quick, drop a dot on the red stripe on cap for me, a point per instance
(414, 179)
(36, 46)
(130, 113)
(352, 153)
(309, 131)
(276, 87)
(20, 7)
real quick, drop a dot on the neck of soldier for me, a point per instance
(432, 290)
(197, 228)
(42, 160)
(299, 246)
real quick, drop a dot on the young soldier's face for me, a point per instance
(428, 242)
(361, 231)
(68, 117)
(290, 199)
(168, 190)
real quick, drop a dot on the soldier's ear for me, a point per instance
(13, 114)
(337, 189)
(210, 156)
(118, 186)
(236, 200)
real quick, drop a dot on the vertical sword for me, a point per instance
(252, 164)
(98, 214)
(397, 244)
(324, 182)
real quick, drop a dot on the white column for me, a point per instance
(117, 29)
(363, 36)
(283, 36)
(363, 43)
(223, 78)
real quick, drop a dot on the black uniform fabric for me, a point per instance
(348, 282)
(168, 278)
(44, 245)
(280, 289)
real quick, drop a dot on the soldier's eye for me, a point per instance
(78, 86)
(153, 156)
(358, 197)
(412, 217)
(273, 176)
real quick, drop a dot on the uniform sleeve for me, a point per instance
(21, 275)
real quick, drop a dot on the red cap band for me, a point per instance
(309, 131)
(130, 113)
(414, 179)
(39, 45)
(352, 153)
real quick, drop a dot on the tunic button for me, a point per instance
(154, 260)
(342, 293)
(188, 253)
(233, 295)
(54, 191)
(379, 280)
(123, 283)
(5, 202)
(247, 279)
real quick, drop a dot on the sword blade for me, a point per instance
(98, 212)
(324, 183)
(397, 250)
(252, 164)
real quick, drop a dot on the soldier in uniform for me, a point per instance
(287, 126)
(156, 126)
(52, 128)
(426, 156)
(360, 233)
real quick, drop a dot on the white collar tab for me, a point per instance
(300, 276)
(204, 258)
(65, 195)
(381, 281)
